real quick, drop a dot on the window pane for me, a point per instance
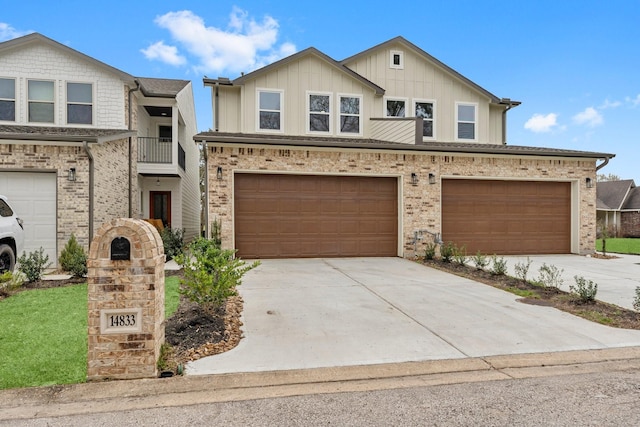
(427, 128)
(40, 91)
(467, 113)
(8, 111)
(270, 101)
(395, 108)
(79, 114)
(79, 92)
(349, 124)
(40, 112)
(269, 120)
(319, 103)
(466, 131)
(319, 122)
(350, 105)
(424, 110)
(7, 89)
(5, 210)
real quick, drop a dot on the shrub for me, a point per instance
(211, 274)
(585, 290)
(34, 264)
(10, 281)
(636, 299)
(173, 241)
(550, 276)
(460, 255)
(480, 261)
(447, 250)
(499, 267)
(522, 269)
(73, 258)
(430, 251)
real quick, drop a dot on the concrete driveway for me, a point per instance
(309, 313)
(616, 278)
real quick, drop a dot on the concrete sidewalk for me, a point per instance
(314, 313)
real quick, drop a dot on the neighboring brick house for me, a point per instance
(82, 143)
(618, 207)
(378, 154)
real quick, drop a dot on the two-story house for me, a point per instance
(82, 142)
(379, 154)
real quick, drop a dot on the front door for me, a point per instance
(160, 206)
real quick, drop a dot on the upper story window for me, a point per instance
(319, 111)
(41, 104)
(395, 107)
(426, 110)
(8, 100)
(396, 59)
(80, 103)
(350, 114)
(466, 118)
(270, 110)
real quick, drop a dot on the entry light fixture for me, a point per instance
(158, 182)
(219, 173)
(414, 178)
(432, 178)
(72, 174)
(589, 183)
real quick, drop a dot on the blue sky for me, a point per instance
(573, 65)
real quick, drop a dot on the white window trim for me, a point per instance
(55, 97)
(391, 55)
(93, 104)
(15, 100)
(339, 114)
(330, 113)
(435, 115)
(281, 92)
(475, 122)
(394, 98)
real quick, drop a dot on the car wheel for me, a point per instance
(7, 258)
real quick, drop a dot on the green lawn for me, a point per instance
(620, 245)
(43, 335)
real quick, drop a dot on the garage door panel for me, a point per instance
(507, 217)
(315, 216)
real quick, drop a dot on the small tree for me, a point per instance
(34, 264)
(522, 269)
(481, 261)
(73, 258)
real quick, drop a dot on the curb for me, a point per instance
(99, 397)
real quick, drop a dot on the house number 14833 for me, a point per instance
(122, 320)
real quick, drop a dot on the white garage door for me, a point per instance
(33, 197)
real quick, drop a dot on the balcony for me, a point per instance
(155, 150)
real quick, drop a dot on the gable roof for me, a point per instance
(161, 88)
(401, 40)
(633, 201)
(311, 51)
(37, 38)
(611, 195)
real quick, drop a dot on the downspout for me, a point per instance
(215, 107)
(508, 107)
(603, 164)
(131, 145)
(205, 153)
(91, 172)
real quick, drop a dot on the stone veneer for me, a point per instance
(137, 283)
(420, 203)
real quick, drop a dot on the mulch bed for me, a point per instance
(596, 311)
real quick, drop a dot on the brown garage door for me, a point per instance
(507, 217)
(302, 216)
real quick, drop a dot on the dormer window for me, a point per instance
(396, 59)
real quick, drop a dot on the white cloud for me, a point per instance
(633, 101)
(7, 32)
(164, 53)
(590, 117)
(609, 104)
(539, 123)
(243, 46)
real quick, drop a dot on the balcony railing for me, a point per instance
(154, 150)
(181, 157)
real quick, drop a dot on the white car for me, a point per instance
(11, 236)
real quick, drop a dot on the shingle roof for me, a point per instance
(448, 147)
(165, 88)
(68, 134)
(633, 201)
(611, 195)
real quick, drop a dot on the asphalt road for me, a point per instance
(594, 399)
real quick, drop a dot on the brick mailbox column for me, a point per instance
(126, 301)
